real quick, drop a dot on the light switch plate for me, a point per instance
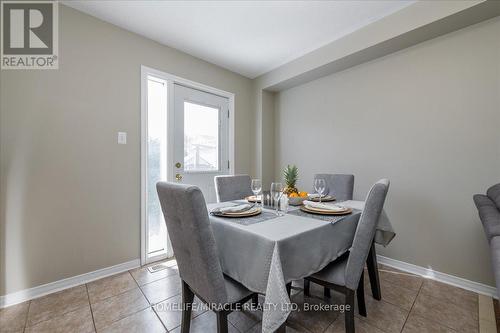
(122, 138)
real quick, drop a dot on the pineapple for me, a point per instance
(291, 174)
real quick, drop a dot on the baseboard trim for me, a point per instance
(35, 292)
(428, 273)
(52, 287)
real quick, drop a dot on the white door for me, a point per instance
(201, 138)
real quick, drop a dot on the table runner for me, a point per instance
(326, 218)
(262, 217)
(383, 234)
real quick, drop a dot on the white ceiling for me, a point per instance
(246, 37)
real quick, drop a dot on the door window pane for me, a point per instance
(201, 137)
(157, 163)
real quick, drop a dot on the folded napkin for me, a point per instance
(317, 205)
(316, 195)
(233, 209)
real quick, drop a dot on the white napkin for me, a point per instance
(234, 209)
(317, 205)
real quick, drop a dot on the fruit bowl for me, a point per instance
(296, 200)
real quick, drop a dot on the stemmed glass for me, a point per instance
(276, 193)
(256, 188)
(319, 186)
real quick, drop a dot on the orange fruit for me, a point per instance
(303, 194)
(294, 195)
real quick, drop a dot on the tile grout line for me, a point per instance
(130, 314)
(157, 316)
(55, 316)
(430, 320)
(397, 286)
(433, 297)
(150, 264)
(90, 305)
(27, 314)
(136, 283)
(151, 305)
(478, 315)
(450, 302)
(120, 293)
(412, 305)
(369, 294)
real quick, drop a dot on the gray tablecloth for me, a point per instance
(384, 233)
(265, 256)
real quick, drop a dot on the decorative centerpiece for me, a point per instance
(291, 175)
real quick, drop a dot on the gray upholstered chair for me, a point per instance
(489, 212)
(346, 273)
(338, 185)
(341, 186)
(195, 250)
(235, 187)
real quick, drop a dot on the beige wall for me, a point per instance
(70, 196)
(428, 118)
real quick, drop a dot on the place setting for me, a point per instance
(282, 199)
(324, 209)
(316, 205)
(237, 210)
(256, 208)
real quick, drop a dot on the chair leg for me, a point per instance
(371, 262)
(282, 328)
(349, 315)
(222, 326)
(360, 293)
(326, 292)
(289, 289)
(307, 287)
(187, 305)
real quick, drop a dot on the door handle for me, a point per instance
(178, 165)
(178, 177)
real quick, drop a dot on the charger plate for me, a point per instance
(325, 211)
(251, 212)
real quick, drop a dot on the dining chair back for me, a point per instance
(339, 185)
(365, 232)
(193, 242)
(232, 187)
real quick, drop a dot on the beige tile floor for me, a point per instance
(140, 301)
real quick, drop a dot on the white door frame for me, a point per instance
(171, 80)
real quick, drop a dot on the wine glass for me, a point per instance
(319, 186)
(276, 193)
(256, 188)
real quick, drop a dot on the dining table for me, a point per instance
(268, 251)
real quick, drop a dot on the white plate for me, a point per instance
(308, 209)
(251, 212)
